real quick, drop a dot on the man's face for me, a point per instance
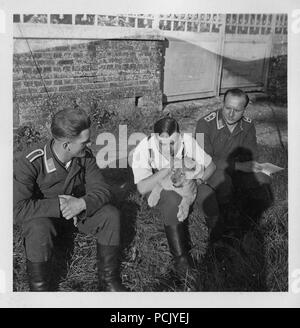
(233, 109)
(168, 143)
(78, 145)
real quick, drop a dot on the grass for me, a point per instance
(256, 260)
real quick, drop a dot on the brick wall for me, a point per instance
(277, 78)
(51, 74)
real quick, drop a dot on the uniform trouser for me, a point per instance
(170, 200)
(40, 233)
(222, 185)
(219, 191)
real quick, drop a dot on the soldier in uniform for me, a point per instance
(230, 139)
(60, 185)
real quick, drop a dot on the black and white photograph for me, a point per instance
(150, 152)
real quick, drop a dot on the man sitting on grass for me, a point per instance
(61, 185)
(230, 139)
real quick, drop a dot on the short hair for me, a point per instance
(166, 124)
(69, 123)
(237, 93)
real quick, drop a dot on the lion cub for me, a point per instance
(180, 180)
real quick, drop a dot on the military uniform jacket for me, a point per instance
(225, 147)
(39, 177)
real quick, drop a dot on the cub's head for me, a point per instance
(180, 175)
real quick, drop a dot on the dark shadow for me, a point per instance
(277, 124)
(236, 250)
(62, 251)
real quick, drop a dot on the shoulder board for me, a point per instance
(210, 117)
(35, 154)
(247, 119)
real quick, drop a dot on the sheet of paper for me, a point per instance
(269, 168)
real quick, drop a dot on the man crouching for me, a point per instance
(61, 185)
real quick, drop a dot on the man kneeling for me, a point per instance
(57, 186)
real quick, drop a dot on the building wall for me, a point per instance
(104, 74)
(114, 75)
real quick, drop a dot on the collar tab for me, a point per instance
(49, 162)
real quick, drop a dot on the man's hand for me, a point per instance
(250, 166)
(71, 206)
(176, 163)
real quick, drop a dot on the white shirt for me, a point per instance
(68, 164)
(143, 163)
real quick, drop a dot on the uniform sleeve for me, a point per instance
(203, 138)
(141, 167)
(26, 203)
(202, 134)
(97, 190)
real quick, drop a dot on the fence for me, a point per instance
(235, 23)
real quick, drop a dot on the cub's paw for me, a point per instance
(183, 212)
(153, 199)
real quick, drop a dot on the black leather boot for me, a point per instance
(38, 275)
(108, 269)
(177, 240)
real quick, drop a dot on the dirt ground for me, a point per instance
(270, 119)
